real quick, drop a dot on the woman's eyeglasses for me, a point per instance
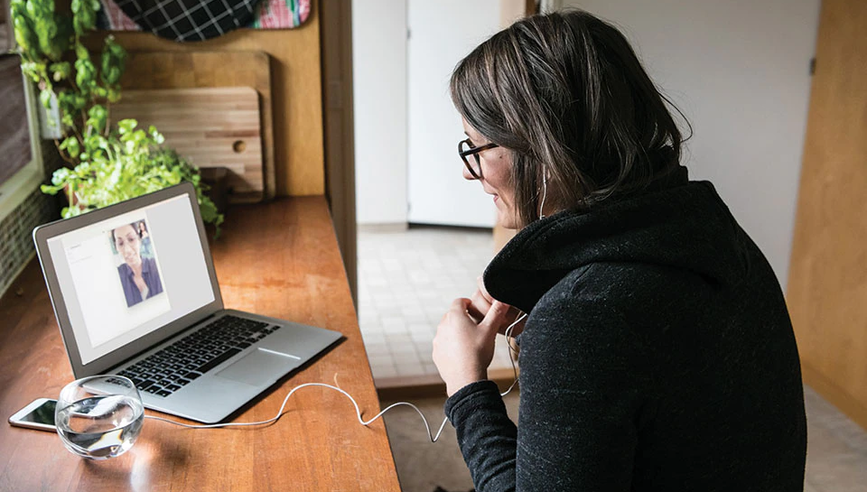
(467, 150)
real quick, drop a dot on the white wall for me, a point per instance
(738, 69)
(379, 92)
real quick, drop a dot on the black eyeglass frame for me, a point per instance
(473, 151)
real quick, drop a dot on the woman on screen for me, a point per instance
(138, 276)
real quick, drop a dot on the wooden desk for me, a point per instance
(279, 259)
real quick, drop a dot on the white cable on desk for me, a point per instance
(283, 406)
(354, 403)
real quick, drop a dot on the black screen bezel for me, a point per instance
(41, 411)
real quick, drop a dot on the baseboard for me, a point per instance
(380, 228)
(430, 385)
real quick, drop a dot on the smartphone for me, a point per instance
(39, 414)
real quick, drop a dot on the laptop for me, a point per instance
(134, 291)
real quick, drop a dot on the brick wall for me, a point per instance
(16, 240)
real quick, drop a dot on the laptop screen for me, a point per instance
(128, 275)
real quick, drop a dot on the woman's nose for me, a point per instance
(467, 175)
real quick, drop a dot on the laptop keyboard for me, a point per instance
(175, 366)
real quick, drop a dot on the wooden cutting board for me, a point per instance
(147, 70)
(210, 126)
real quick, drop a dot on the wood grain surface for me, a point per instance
(163, 70)
(828, 274)
(295, 84)
(211, 126)
(278, 259)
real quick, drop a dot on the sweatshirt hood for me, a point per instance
(684, 225)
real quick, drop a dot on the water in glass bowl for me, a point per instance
(100, 427)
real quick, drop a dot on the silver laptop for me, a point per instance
(134, 292)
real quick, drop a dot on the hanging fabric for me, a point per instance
(191, 20)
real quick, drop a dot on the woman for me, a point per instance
(657, 353)
(138, 276)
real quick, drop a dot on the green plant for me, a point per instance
(125, 167)
(107, 164)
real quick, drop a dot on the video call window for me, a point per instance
(136, 262)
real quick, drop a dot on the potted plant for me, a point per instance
(106, 163)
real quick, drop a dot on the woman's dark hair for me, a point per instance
(566, 94)
(134, 226)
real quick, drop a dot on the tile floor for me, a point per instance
(406, 281)
(836, 449)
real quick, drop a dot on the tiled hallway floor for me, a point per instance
(836, 449)
(406, 281)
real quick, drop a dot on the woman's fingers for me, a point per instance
(479, 306)
(461, 351)
(460, 306)
(495, 317)
(480, 281)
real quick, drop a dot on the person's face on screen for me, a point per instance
(128, 244)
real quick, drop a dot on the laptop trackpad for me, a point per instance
(259, 367)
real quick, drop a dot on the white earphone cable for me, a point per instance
(544, 194)
(354, 403)
(512, 352)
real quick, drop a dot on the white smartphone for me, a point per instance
(39, 414)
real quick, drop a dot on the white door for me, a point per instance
(441, 34)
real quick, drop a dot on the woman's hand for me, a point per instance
(481, 302)
(463, 348)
